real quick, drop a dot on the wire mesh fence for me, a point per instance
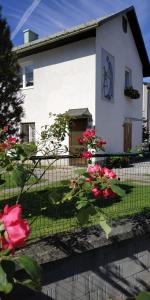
(41, 200)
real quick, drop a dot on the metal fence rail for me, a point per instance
(41, 202)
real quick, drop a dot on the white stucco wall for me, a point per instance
(110, 116)
(64, 78)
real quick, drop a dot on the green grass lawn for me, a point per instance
(47, 218)
(7, 181)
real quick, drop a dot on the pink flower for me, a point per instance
(16, 229)
(100, 143)
(109, 173)
(95, 169)
(96, 192)
(88, 179)
(11, 214)
(88, 134)
(11, 140)
(107, 193)
(86, 154)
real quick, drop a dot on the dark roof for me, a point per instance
(79, 112)
(88, 30)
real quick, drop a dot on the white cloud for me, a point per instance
(25, 17)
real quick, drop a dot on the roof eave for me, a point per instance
(57, 41)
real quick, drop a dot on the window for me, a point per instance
(124, 24)
(27, 132)
(128, 79)
(26, 76)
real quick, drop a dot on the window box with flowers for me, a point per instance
(131, 93)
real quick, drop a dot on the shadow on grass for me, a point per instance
(43, 203)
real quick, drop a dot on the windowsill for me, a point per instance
(27, 87)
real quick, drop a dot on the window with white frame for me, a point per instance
(128, 78)
(27, 132)
(26, 75)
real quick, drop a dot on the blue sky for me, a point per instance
(49, 16)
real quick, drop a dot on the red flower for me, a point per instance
(80, 140)
(109, 173)
(96, 192)
(95, 169)
(107, 193)
(86, 154)
(88, 134)
(11, 140)
(16, 229)
(100, 143)
(88, 179)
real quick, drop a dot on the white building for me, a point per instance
(146, 109)
(84, 70)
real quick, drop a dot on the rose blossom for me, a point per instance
(96, 192)
(86, 154)
(95, 169)
(11, 140)
(100, 143)
(107, 193)
(109, 173)
(16, 229)
(88, 133)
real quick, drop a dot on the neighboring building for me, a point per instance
(84, 70)
(146, 111)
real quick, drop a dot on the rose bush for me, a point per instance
(14, 230)
(95, 185)
(90, 143)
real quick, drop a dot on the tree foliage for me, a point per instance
(11, 101)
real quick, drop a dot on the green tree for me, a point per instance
(11, 101)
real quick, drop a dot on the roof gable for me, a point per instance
(88, 30)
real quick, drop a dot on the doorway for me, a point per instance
(77, 127)
(127, 136)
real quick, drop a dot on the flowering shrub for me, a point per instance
(90, 189)
(90, 142)
(14, 230)
(96, 184)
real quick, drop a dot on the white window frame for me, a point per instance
(130, 77)
(31, 131)
(23, 66)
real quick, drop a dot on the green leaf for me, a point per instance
(67, 197)
(114, 181)
(116, 189)
(104, 225)
(20, 175)
(103, 186)
(143, 296)
(5, 286)
(29, 283)
(85, 213)
(83, 216)
(87, 186)
(32, 269)
(82, 202)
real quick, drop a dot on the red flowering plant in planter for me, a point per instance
(95, 185)
(14, 230)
